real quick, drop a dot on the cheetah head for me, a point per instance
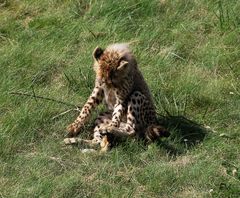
(111, 66)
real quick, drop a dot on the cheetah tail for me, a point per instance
(154, 132)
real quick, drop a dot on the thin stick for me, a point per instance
(44, 98)
(63, 113)
(94, 35)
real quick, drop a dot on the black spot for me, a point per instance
(90, 103)
(101, 114)
(133, 101)
(134, 114)
(130, 119)
(135, 108)
(136, 94)
(97, 101)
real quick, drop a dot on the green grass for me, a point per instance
(189, 53)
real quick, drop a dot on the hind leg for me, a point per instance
(103, 120)
(98, 139)
(145, 118)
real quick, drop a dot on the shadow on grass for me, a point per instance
(185, 134)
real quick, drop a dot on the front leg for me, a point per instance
(94, 100)
(117, 114)
(118, 111)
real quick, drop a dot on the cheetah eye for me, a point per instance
(122, 65)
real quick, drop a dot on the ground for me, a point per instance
(188, 52)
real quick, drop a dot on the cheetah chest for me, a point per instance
(110, 98)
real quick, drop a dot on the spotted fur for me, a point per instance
(121, 86)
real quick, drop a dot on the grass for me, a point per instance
(188, 52)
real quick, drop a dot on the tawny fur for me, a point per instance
(121, 86)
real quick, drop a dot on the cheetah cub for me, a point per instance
(121, 86)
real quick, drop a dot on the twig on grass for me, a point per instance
(94, 35)
(63, 113)
(44, 98)
(34, 96)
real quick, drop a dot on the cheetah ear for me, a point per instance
(122, 65)
(97, 53)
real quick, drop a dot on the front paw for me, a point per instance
(107, 129)
(73, 130)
